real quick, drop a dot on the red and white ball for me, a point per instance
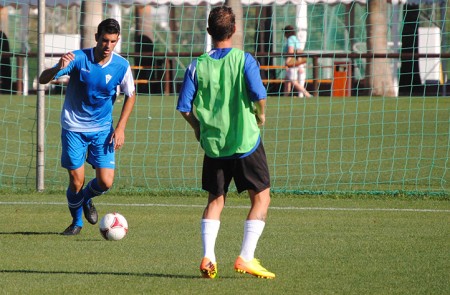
(113, 226)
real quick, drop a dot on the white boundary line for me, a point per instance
(243, 207)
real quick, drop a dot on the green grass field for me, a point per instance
(360, 203)
(315, 245)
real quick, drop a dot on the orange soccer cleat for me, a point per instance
(252, 267)
(208, 269)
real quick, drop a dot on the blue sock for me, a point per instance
(92, 190)
(75, 202)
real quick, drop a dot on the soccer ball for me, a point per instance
(113, 227)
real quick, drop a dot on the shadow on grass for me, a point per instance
(145, 274)
(33, 233)
(30, 233)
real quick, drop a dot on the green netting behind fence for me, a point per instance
(357, 142)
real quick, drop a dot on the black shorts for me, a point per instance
(249, 173)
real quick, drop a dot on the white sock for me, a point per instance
(252, 231)
(210, 229)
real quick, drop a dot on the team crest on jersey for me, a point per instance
(108, 77)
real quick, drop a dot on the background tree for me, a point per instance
(91, 16)
(143, 39)
(238, 37)
(378, 70)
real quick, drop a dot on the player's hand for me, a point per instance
(260, 119)
(65, 60)
(118, 138)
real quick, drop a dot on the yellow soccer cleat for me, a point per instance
(252, 267)
(208, 269)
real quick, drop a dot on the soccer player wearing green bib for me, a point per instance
(223, 99)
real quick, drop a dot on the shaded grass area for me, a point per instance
(314, 245)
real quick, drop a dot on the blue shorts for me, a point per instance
(93, 147)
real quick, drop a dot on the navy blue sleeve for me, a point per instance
(188, 89)
(252, 74)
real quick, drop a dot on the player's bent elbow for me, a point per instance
(44, 80)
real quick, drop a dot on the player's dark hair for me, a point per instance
(289, 31)
(221, 23)
(108, 26)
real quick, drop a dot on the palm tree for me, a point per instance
(143, 39)
(238, 37)
(91, 16)
(144, 21)
(378, 70)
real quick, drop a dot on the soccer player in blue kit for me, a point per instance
(86, 119)
(223, 100)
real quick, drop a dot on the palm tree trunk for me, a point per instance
(91, 16)
(238, 37)
(378, 70)
(143, 39)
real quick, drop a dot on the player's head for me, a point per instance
(289, 31)
(107, 37)
(221, 23)
(108, 26)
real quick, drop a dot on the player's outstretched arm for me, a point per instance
(48, 74)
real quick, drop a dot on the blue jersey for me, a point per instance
(92, 91)
(252, 76)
